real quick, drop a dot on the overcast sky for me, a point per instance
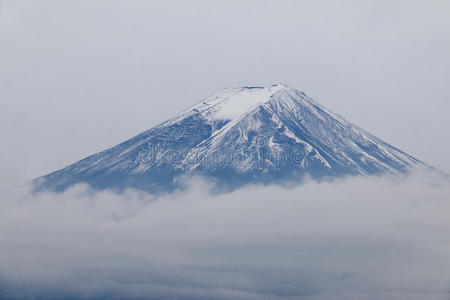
(77, 77)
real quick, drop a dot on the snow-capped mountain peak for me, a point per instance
(233, 103)
(252, 134)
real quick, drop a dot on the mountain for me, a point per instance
(272, 134)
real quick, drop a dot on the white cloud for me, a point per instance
(357, 239)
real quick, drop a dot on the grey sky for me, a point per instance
(77, 77)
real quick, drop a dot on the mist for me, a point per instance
(353, 239)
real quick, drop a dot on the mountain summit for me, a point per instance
(272, 134)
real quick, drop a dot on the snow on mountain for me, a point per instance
(272, 134)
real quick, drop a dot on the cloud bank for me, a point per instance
(354, 239)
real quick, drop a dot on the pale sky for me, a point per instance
(77, 77)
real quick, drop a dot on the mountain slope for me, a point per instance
(238, 136)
